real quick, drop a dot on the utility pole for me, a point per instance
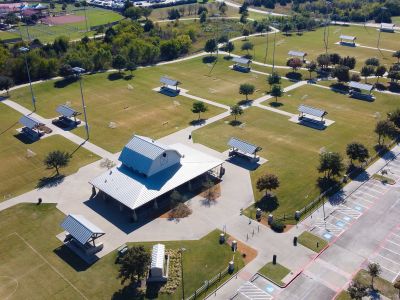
(25, 50)
(78, 72)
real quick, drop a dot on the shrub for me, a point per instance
(277, 226)
(180, 211)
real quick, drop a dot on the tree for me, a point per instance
(267, 182)
(357, 291)
(331, 164)
(245, 33)
(133, 13)
(273, 78)
(335, 58)
(342, 73)
(374, 270)
(148, 25)
(357, 151)
(211, 46)
(367, 71)
(66, 71)
(119, 62)
(223, 8)
(396, 285)
(348, 62)
(246, 89)
(134, 264)
(203, 17)
(311, 67)
(243, 8)
(146, 12)
(173, 14)
(394, 116)
(397, 55)
(324, 60)
(276, 91)
(230, 47)
(379, 72)
(385, 128)
(198, 108)
(236, 110)
(130, 66)
(56, 160)
(247, 46)
(295, 63)
(5, 83)
(372, 61)
(286, 28)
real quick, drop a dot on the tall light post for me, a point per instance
(183, 286)
(380, 30)
(78, 72)
(25, 50)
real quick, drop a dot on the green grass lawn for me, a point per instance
(312, 43)
(384, 287)
(293, 150)
(396, 20)
(41, 277)
(20, 173)
(274, 272)
(311, 241)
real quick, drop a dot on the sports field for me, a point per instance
(20, 171)
(34, 265)
(312, 43)
(130, 104)
(292, 150)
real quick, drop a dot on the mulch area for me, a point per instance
(264, 221)
(244, 249)
(59, 20)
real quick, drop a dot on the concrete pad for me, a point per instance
(326, 123)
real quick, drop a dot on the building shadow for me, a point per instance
(169, 92)
(243, 162)
(71, 258)
(26, 139)
(312, 124)
(131, 292)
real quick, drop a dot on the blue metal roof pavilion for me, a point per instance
(297, 53)
(29, 122)
(244, 146)
(361, 86)
(169, 82)
(67, 111)
(81, 229)
(308, 110)
(241, 60)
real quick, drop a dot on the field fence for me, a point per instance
(207, 284)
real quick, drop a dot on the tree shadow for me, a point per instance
(268, 203)
(209, 59)
(128, 77)
(60, 84)
(197, 122)
(248, 56)
(324, 184)
(130, 291)
(339, 87)
(294, 76)
(245, 102)
(394, 87)
(276, 104)
(380, 86)
(227, 57)
(71, 258)
(381, 149)
(235, 123)
(48, 182)
(115, 76)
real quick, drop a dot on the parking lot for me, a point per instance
(388, 256)
(350, 210)
(257, 288)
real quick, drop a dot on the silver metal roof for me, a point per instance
(169, 81)
(361, 86)
(243, 146)
(80, 228)
(140, 153)
(66, 111)
(134, 190)
(158, 256)
(387, 25)
(312, 111)
(29, 122)
(347, 37)
(297, 53)
(241, 60)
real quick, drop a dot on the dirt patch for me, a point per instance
(244, 249)
(59, 20)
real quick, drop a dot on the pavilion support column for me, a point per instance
(155, 205)
(121, 207)
(190, 185)
(134, 216)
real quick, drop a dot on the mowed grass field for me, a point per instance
(34, 265)
(292, 150)
(134, 107)
(312, 43)
(20, 173)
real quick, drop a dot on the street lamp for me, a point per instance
(380, 30)
(183, 286)
(78, 71)
(26, 50)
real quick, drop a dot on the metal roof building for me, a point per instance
(308, 110)
(157, 256)
(297, 53)
(145, 173)
(243, 146)
(387, 27)
(168, 81)
(67, 111)
(361, 86)
(81, 229)
(29, 122)
(348, 37)
(241, 60)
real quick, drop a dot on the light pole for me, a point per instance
(183, 286)
(380, 30)
(78, 71)
(26, 50)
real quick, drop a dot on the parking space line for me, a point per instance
(390, 241)
(362, 198)
(384, 257)
(396, 234)
(391, 251)
(356, 203)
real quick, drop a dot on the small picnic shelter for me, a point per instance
(348, 40)
(311, 114)
(298, 54)
(31, 126)
(360, 90)
(387, 27)
(169, 84)
(66, 115)
(243, 148)
(242, 64)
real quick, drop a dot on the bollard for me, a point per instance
(258, 214)
(274, 259)
(297, 215)
(270, 219)
(231, 267)
(39, 201)
(295, 241)
(222, 238)
(317, 244)
(234, 245)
